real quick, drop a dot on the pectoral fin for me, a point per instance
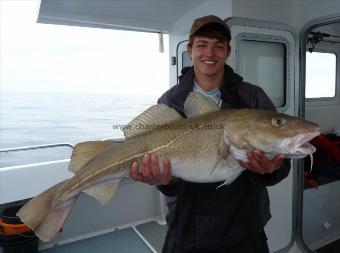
(230, 179)
(223, 149)
(103, 192)
(223, 152)
(215, 166)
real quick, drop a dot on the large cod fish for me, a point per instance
(204, 147)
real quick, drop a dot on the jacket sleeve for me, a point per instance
(166, 97)
(170, 190)
(262, 101)
(277, 176)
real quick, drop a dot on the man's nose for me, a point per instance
(210, 51)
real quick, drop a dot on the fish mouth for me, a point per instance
(301, 146)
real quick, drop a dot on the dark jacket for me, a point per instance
(206, 218)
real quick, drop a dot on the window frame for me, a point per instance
(268, 39)
(184, 55)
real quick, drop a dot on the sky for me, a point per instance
(320, 74)
(53, 58)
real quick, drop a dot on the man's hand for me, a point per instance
(260, 163)
(151, 173)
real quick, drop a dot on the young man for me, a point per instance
(202, 218)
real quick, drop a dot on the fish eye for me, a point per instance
(278, 122)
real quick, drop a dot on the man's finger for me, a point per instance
(134, 172)
(253, 161)
(166, 173)
(245, 165)
(166, 167)
(146, 161)
(154, 162)
(155, 171)
(261, 156)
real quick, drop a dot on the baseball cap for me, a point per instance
(210, 19)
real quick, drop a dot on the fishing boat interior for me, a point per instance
(289, 48)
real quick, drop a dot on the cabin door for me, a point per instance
(263, 53)
(320, 102)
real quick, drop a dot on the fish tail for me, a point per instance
(42, 217)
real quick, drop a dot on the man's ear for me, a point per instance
(228, 51)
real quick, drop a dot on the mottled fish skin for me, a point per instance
(192, 146)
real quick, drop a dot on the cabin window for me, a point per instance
(320, 75)
(186, 60)
(264, 64)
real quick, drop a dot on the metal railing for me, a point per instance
(7, 159)
(22, 148)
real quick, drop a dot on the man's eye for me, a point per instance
(200, 45)
(220, 46)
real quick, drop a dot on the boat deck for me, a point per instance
(144, 238)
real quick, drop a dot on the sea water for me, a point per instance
(28, 119)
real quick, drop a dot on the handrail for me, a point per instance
(14, 149)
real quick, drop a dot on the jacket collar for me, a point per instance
(228, 88)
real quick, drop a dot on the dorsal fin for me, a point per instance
(155, 115)
(196, 104)
(85, 151)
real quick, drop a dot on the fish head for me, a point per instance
(272, 132)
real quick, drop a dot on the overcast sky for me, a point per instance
(41, 57)
(320, 74)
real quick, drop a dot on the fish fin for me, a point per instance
(149, 119)
(215, 166)
(103, 192)
(223, 152)
(223, 149)
(54, 221)
(85, 151)
(230, 179)
(44, 219)
(226, 182)
(197, 104)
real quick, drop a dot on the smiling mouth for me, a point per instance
(210, 62)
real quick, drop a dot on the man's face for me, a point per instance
(208, 56)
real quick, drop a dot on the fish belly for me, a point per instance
(207, 170)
